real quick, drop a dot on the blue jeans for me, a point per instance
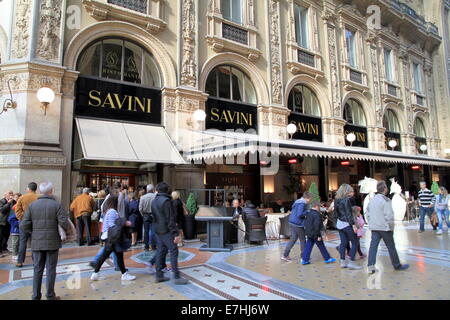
(155, 256)
(443, 215)
(100, 253)
(149, 235)
(348, 235)
(309, 246)
(422, 212)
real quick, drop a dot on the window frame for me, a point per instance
(419, 120)
(354, 49)
(388, 65)
(390, 114)
(231, 5)
(360, 111)
(123, 40)
(417, 78)
(303, 98)
(298, 10)
(246, 81)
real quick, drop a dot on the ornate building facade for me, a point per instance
(333, 65)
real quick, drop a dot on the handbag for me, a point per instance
(96, 214)
(70, 235)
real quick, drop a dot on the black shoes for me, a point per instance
(163, 279)
(402, 267)
(181, 281)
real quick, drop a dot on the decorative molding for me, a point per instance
(20, 160)
(49, 30)
(335, 93)
(274, 31)
(376, 85)
(152, 22)
(189, 66)
(21, 32)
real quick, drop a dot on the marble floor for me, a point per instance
(252, 273)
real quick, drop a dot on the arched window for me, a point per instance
(121, 60)
(419, 128)
(390, 121)
(230, 83)
(354, 113)
(303, 100)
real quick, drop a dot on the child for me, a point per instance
(313, 232)
(359, 220)
(14, 222)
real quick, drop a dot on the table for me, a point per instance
(272, 226)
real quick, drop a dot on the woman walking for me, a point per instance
(442, 209)
(346, 225)
(113, 230)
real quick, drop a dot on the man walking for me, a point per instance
(380, 218)
(22, 206)
(41, 220)
(145, 208)
(82, 208)
(296, 223)
(167, 232)
(426, 204)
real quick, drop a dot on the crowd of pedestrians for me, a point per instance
(157, 216)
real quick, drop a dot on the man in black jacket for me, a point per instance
(168, 237)
(6, 205)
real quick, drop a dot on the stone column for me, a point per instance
(333, 131)
(30, 144)
(377, 140)
(434, 145)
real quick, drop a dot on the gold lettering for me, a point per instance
(245, 117)
(109, 100)
(360, 136)
(120, 103)
(231, 116)
(149, 105)
(97, 99)
(140, 103)
(215, 114)
(224, 116)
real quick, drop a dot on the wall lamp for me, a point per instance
(392, 144)
(351, 137)
(199, 115)
(9, 103)
(291, 129)
(45, 96)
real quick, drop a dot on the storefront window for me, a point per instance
(390, 121)
(354, 113)
(121, 60)
(230, 83)
(303, 100)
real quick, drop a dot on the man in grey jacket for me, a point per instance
(145, 208)
(380, 218)
(41, 220)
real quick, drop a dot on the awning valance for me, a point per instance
(216, 145)
(117, 141)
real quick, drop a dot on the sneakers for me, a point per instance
(331, 260)
(96, 277)
(421, 231)
(128, 277)
(167, 269)
(181, 281)
(353, 266)
(439, 232)
(402, 267)
(14, 258)
(305, 262)
(363, 256)
(163, 279)
(344, 263)
(287, 259)
(19, 265)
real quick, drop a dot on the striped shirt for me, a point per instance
(109, 219)
(426, 197)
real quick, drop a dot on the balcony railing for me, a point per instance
(392, 90)
(405, 9)
(306, 58)
(356, 76)
(135, 5)
(234, 33)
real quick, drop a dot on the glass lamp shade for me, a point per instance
(423, 147)
(291, 128)
(447, 151)
(45, 95)
(351, 137)
(392, 144)
(199, 115)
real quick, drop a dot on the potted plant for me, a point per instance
(191, 207)
(315, 192)
(294, 184)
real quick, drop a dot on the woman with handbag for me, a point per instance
(179, 209)
(442, 209)
(113, 231)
